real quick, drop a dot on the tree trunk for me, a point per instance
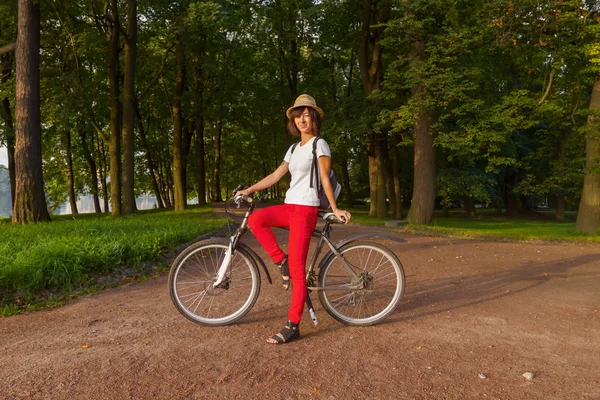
(373, 176)
(344, 162)
(560, 173)
(103, 173)
(513, 202)
(93, 169)
(200, 165)
(6, 112)
(469, 205)
(513, 205)
(199, 162)
(114, 147)
(560, 207)
(178, 156)
(164, 182)
(30, 199)
(150, 162)
(396, 175)
(188, 133)
(375, 12)
(423, 200)
(128, 110)
(217, 171)
(588, 214)
(389, 176)
(346, 180)
(70, 178)
(381, 194)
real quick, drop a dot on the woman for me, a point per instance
(300, 209)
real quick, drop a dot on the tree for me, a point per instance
(129, 100)
(588, 215)
(8, 29)
(375, 16)
(178, 135)
(30, 200)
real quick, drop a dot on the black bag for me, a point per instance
(314, 172)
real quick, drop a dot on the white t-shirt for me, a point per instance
(300, 164)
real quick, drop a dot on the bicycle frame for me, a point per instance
(322, 235)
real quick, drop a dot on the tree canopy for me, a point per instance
(428, 104)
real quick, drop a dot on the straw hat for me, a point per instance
(304, 100)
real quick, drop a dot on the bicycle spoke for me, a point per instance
(191, 284)
(372, 295)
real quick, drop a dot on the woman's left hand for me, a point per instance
(342, 215)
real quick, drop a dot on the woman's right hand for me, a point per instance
(246, 192)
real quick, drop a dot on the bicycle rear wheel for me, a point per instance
(191, 284)
(371, 296)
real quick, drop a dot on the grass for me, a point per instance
(46, 261)
(42, 265)
(492, 226)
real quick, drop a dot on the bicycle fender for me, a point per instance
(257, 259)
(252, 254)
(370, 235)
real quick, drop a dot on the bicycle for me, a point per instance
(216, 281)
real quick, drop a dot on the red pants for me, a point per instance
(302, 221)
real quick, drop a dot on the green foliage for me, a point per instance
(68, 254)
(453, 184)
(508, 83)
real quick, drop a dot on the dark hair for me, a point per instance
(314, 115)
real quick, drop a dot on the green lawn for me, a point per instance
(45, 260)
(490, 225)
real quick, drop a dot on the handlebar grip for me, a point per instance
(242, 198)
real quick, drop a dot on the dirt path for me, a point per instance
(470, 308)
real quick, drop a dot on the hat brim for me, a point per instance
(317, 109)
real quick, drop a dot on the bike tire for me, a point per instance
(382, 283)
(192, 275)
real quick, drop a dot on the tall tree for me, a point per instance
(588, 215)
(7, 71)
(423, 200)
(129, 109)
(375, 15)
(178, 135)
(8, 30)
(30, 199)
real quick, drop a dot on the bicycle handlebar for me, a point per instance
(242, 198)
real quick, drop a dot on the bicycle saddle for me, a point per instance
(329, 217)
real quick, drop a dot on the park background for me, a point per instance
(428, 104)
(433, 109)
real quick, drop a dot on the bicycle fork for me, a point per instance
(225, 264)
(311, 309)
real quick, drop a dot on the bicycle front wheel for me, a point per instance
(369, 295)
(191, 281)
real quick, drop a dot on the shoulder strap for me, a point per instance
(314, 171)
(294, 146)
